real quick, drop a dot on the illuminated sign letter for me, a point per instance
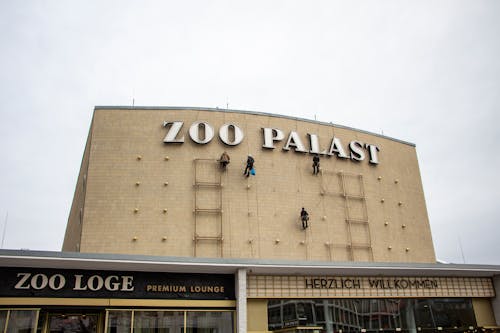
(224, 134)
(373, 150)
(336, 148)
(314, 144)
(271, 135)
(294, 141)
(194, 132)
(171, 136)
(357, 152)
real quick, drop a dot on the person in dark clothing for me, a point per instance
(224, 160)
(250, 162)
(304, 217)
(315, 164)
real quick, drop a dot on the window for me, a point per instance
(18, 320)
(165, 321)
(374, 315)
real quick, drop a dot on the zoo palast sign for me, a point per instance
(202, 133)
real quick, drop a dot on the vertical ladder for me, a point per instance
(362, 221)
(209, 184)
(330, 188)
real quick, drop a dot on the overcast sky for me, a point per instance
(427, 72)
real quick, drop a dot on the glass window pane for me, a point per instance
(72, 323)
(351, 315)
(158, 321)
(3, 319)
(119, 321)
(22, 321)
(210, 322)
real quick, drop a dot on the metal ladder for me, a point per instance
(205, 181)
(366, 245)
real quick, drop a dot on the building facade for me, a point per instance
(150, 183)
(165, 236)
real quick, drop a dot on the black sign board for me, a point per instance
(33, 282)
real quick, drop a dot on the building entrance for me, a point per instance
(373, 315)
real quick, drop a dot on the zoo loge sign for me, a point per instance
(202, 132)
(41, 282)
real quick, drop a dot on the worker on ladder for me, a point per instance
(304, 217)
(315, 164)
(224, 160)
(249, 168)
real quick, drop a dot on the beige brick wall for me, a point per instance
(260, 216)
(74, 227)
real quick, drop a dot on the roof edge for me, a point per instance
(240, 263)
(257, 113)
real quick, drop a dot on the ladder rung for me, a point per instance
(216, 238)
(208, 210)
(359, 246)
(207, 184)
